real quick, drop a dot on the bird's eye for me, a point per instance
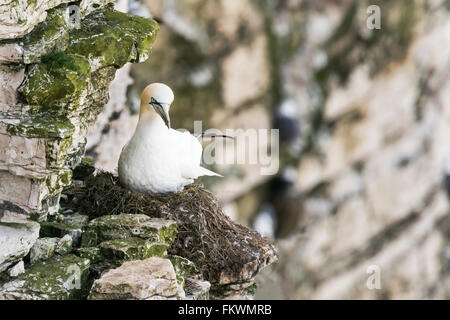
(154, 101)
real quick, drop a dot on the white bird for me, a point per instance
(158, 159)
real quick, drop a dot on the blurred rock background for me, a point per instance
(364, 120)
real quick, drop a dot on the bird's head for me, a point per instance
(158, 97)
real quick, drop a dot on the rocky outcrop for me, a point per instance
(121, 257)
(57, 61)
(19, 17)
(57, 79)
(122, 226)
(199, 238)
(363, 119)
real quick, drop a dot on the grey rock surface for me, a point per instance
(16, 241)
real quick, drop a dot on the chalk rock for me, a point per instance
(43, 249)
(16, 240)
(152, 278)
(129, 225)
(17, 269)
(59, 278)
(132, 249)
(64, 245)
(20, 17)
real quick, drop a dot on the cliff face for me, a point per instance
(55, 82)
(57, 61)
(371, 173)
(363, 118)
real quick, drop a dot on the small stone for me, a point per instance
(121, 226)
(64, 245)
(17, 269)
(152, 278)
(132, 249)
(43, 249)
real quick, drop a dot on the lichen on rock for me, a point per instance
(112, 227)
(57, 78)
(43, 249)
(59, 278)
(60, 229)
(105, 38)
(132, 249)
(91, 253)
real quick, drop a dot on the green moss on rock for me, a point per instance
(122, 226)
(56, 182)
(132, 249)
(43, 249)
(46, 35)
(59, 278)
(91, 253)
(49, 82)
(42, 127)
(110, 37)
(182, 266)
(106, 38)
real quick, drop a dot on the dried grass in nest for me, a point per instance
(206, 235)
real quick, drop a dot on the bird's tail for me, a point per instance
(206, 172)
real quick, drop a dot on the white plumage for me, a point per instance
(158, 159)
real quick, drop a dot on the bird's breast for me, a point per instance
(151, 163)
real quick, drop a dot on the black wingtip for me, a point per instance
(212, 135)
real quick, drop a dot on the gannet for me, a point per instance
(159, 159)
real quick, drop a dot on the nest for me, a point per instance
(226, 253)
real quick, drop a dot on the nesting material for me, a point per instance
(226, 253)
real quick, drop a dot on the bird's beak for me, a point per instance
(164, 113)
(162, 109)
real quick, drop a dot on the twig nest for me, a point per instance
(228, 255)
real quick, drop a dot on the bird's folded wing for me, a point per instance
(190, 154)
